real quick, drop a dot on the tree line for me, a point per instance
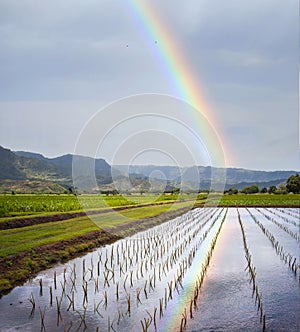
(292, 186)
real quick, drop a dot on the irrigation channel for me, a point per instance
(211, 269)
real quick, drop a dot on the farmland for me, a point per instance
(31, 204)
(38, 231)
(20, 205)
(260, 200)
(166, 278)
(26, 238)
(44, 236)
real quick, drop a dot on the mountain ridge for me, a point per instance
(30, 166)
(233, 175)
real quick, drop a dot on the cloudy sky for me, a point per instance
(62, 61)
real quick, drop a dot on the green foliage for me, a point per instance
(16, 205)
(264, 190)
(4, 285)
(272, 190)
(9, 263)
(30, 237)
(260, 200)
(250, 190)
(281, 190)
(232, 191)
(33, 204)
(11, 205)
(293, 184)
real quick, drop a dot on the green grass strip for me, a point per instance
(16, 240)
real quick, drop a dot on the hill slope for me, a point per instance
(28, 166)
(237, 177)
(64, 164)
(19, 168)
(16, 167)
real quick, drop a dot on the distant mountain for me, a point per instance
(31, 186)
(16, 167)
(64, 163)
(237, 177)
(263, 184)
(27, 166)
(9, 168)
(22, 165)
(30, 155)
(159, 172)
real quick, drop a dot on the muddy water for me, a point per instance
(147, 265)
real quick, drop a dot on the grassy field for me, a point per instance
(29, 204)
(13, 241)
(21, 239)
(20, 205)
(24, 251)
(260, 200)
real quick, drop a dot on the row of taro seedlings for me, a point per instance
(129, 283)
(183, 266)
(286, 219)
(251, 270)
(286, 257)
(293, 212)
(200, 278)
(294, 235)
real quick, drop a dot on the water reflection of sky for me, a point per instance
(224, 304)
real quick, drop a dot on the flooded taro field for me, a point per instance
(211, 269)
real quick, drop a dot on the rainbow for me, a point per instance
(187, 88)
(175, 66)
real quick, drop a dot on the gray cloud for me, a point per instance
(243, 53)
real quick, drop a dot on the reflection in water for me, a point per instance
(144, 269)
(226, 303)
(279, 285)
